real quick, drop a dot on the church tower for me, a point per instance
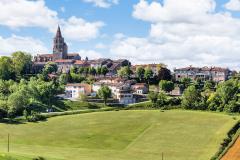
(60, 48)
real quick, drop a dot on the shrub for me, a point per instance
(35, 116)
(191, 98)
(142, 105)
(173, 101)
(162, 99)
(153, 97)
(232, 135)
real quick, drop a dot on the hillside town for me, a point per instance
(124, 90)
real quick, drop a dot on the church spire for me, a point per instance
(59, 34)
(60, 48)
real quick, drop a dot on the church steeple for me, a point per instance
(60, 48)
(59, 34)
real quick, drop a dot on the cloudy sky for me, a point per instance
(174, 32)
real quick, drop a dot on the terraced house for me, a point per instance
(216, 74)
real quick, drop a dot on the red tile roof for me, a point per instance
(80, 62)
(64, 61)
(78, 84)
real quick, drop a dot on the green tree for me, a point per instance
(209, 85)
(17, 102)
(63, 78)
(226, 92)
(74, 70)
(164, 74)
(140, 73)
(166, 86)
(104, 70)
(153, 97)
(162, 99)
(49, 68)
(104, 92)
(148, 74)
(3, 109)
(191, 98)
(185, 83)
(21, 63)
(81, 70)
(86, 70)
(92, 71)
(125, 72)
(6, 68)
(99, 70)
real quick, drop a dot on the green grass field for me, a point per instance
(120, 135)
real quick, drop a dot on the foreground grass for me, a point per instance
(122, 135)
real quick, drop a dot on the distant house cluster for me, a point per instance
(65, 60)
(125, 91)
(216, 74)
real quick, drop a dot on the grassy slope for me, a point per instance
(130, 135)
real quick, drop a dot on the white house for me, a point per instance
(74, 90)
(140, 88)
(125, 98)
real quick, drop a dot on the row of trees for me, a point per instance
(146, 74)
(199, 95)
(90, 71)
(226, 96)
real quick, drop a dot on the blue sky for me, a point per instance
(145, 31)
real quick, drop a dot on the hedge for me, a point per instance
(54, 114)
(227, 143)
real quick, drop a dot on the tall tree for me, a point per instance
(104, 70)
(140, 73)
(99, 70)
(191, 98)
(6, 68)
(125, 72)
(164, 74)
(104, 92)
(21, 62)
(148, 74)
(92, 71)
(166, 86)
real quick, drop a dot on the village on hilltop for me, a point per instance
(124, 90)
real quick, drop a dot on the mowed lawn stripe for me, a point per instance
(121, 135)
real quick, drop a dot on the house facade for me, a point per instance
(140, 88)
(74, 90)
(216, 74)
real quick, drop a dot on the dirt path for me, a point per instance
(234, 152)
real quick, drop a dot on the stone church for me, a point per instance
(65, 60)
(60, 54)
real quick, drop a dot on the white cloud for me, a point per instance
(174, 10)
(17, 43)
(233, 5)
(81, 30)
(182, 33)
(25, 13)
(103, 3)
(91, 54)
(101, 46)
